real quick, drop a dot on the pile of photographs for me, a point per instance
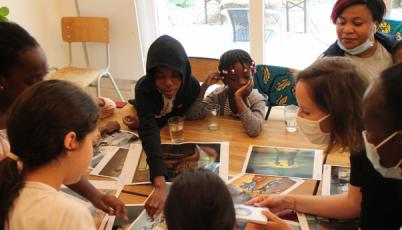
(121, 160)
(275, 170)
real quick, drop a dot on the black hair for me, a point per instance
(229, 59)
(38, 122)
(13, 40)
(376, 7)
(337, 86)
(395, 49)
(391, 85)
(199, 200)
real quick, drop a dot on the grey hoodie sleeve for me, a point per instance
(253, 118)
(197, 109)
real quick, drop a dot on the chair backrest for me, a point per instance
(278, 83)
(200, 66)
(240, 25)
(391, 26)
(85, 29)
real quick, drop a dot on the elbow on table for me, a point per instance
(254, 132)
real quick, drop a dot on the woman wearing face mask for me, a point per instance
(329, 94)
(356, 24)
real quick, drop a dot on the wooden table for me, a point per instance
(230, 130)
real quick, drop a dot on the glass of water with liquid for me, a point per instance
(212, 112)
(290, 112)
(176, 129)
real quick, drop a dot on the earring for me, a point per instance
(1, 88)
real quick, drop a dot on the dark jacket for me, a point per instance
(167, 52)
(388, 41)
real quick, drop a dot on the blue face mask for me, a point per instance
(358, 49)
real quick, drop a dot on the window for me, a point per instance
(204, 27)
(300, 31)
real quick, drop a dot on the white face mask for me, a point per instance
(358, 49)
(372, 154)
(312, 130)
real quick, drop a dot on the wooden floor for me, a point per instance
(126, 88)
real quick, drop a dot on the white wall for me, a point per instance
(126, 50)
(42, 19)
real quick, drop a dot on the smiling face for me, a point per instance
(167, 81)
(32, 68)
(239, 78)
(355, 25)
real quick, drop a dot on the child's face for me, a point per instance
(240, 77)
(80, 158)
(33, 68)
(167, 81)
(398, 56)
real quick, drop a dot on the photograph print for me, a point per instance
(335, 179)
(247, 186)
(284, 161)
(133, 212)
(179, 158)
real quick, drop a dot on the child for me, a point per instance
(49, 147)
(397, 52)
(199, 199)
(236, 97)
(168, 89)
(22, 64)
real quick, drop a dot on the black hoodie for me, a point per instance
(167, 52)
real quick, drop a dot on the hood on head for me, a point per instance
(168, 52)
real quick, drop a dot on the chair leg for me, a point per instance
(98, 84)
(268, 112)
(109, 75)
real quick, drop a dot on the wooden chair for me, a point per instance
(85, 29)
(200, 66)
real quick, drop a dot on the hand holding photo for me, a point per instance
(250, 214)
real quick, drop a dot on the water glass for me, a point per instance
(290, 112)
(176, 126)
(212, 111)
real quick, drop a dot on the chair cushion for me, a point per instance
(79, 76)
(393, 27)
(277, 83)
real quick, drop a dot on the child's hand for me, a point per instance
(274, 223)
(246, 89)
(212, 78)
(156, 201)
(132, 121)
(112, 206)
(275, 203)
